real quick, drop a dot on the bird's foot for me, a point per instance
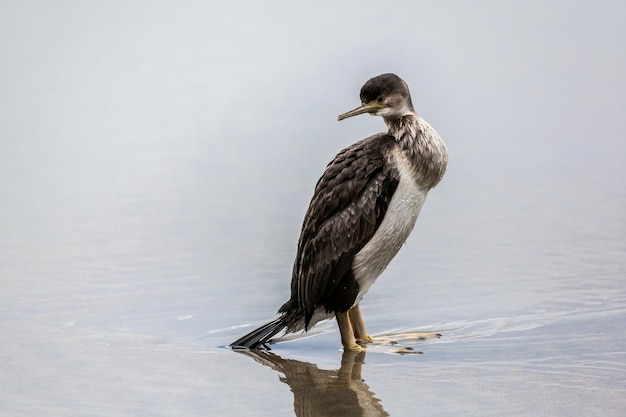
(353, 347)
(364, 339)
(397, 343)
(394, 339)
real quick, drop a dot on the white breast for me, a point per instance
(404, 207)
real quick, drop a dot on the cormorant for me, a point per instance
(362, 211)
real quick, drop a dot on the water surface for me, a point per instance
(156, 161)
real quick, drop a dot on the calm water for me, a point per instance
(156, 160)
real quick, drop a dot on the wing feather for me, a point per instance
(348, 205)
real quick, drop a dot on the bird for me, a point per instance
(363, 209)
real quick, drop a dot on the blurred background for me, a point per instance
(157, 159)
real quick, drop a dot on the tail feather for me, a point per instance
(259, 336)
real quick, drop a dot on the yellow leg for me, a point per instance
(347, 336)
(358, 325)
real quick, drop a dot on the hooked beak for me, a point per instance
(371, 107)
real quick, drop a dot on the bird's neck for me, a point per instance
(423, 147)
(404, 127)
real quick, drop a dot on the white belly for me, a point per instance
(404, 207)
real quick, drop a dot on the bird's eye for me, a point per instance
(380, 99)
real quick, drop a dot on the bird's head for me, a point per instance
(386, 95)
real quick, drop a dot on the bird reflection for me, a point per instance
(318, 392)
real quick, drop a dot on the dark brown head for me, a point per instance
(386, 95)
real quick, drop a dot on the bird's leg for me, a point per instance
(358, 325)
(347, 336)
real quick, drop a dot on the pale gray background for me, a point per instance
(157, 158)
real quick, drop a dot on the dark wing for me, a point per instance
(348, 205)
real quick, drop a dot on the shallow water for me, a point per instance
(156, 162)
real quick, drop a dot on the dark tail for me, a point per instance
(260, 336)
